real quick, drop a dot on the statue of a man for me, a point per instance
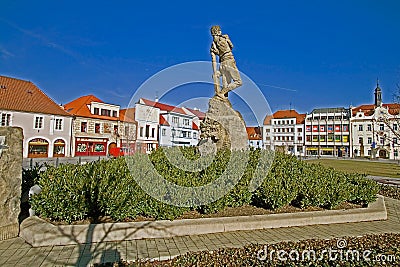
(222, 47)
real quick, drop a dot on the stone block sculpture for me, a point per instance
(10, 180)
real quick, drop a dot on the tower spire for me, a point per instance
(378, 94)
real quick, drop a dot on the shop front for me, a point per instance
(59, 148)
(91, 146)
(38, 148)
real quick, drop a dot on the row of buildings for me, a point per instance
(370, 130)
(87, 126)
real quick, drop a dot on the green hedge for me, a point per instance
(107, 187)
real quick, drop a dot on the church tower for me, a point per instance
(378, 94)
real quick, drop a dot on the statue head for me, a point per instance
(215, 30)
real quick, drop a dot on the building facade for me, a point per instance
(127, 131)
(46, 126)
(177, 127)
(375, 129)
(284, 131)
(327, 132)
(148, 119)
(96, 126)
(254, 135)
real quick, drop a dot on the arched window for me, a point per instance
(59, 148)
(38, 148)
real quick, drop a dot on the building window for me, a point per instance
(153, 132)
(360, 128)
(186, 122)
(38, 122)
(147, 131)
(369, 127)
(395, 127)
(173, 133)
(369, 152)
(382, 127)
(107, 127)
(126, 130)
(38, 148)
(83, 126)
(96, 111)
(360, 140)
(116, 129)
(106, 112)
(369, 140)
(194, 135)
(115, 113)
(5, 119)
(396, 153)
(59, 148)
(97, 127)
(58, 124)
(164, 132)
(395, 140)
(175, 120)
(141, 131)
(382, 140)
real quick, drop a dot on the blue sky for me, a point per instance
(306, 54)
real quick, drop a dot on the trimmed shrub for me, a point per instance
(111, 188)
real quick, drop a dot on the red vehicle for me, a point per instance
(120, 151)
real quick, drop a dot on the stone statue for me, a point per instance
(223, 126)
(222, 47)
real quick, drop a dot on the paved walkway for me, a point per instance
(16, 252)
(385, 180)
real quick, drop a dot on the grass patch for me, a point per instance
(357, 166)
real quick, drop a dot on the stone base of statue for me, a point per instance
(223, 127)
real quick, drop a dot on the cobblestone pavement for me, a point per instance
(15, 252)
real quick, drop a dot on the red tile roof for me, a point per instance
(254, 133)
(369, 109)
(162, 106)
(163, 121)
(198, 113)
(195, 126)
(283, 114)
(79, 107)
(127, 115)
(20, 95)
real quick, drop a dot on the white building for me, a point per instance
(254, 135)
(375, 129)
(46, 126)
(177, 126)
(284, 131)
(148, 118)
(327, 132)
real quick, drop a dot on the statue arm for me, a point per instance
(216, 73)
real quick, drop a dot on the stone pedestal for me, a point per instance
(223, 126)
(10, 180)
